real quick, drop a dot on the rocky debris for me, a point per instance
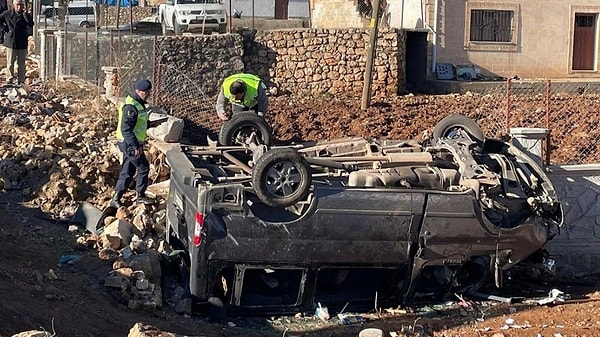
(144, 330)
(130, 242)
(57, 148)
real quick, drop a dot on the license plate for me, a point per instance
(200, 17)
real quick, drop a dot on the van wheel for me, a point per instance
(85, 24)
(452, 125)
(241, 126)
(281, 177)
(222, 28)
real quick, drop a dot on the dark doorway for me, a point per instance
(416, 60)
(584, 48)
(281, 9)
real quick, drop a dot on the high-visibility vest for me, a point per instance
(141, 125)
(252, 83)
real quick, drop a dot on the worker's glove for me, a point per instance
(223, 116)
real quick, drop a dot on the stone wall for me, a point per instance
(108, 15)
(325, 60)
(314, 60)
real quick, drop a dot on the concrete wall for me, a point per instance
(337, 14)
(544, 38)
(266, 8)
(577, 248)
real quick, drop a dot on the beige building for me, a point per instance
(528, 39)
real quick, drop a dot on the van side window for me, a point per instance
(81, 11)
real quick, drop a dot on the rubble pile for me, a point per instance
(136, 275)
(57, 148)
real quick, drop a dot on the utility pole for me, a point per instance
(366, 97)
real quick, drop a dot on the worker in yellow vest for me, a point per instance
(131, 135)
(245, 92)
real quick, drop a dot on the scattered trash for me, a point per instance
(371, 332)
(497, 298)
(395, 311)
(509, 323)
(231, 324)
(322, 313)
(51, 275)
(68, 259)
(553, 296)
(550, 265)
(348, 319)
(512, 310)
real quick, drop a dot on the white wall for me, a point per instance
(406, 14)
(266, 8)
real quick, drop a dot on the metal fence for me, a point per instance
(567, 110)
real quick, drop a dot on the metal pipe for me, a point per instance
(227, 156)
(436, 13)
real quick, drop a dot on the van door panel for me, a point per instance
(348, 226)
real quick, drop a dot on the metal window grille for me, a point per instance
(491, 25)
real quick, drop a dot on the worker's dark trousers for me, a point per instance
(131, 166)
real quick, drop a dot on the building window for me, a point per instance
(491, 26)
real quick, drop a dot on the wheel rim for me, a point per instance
(241, 135)
(282, 179)
(455, 132)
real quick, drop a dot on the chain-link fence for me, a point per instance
(180, 94)
(567, 110)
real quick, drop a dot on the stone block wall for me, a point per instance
(325, 60)
(313, 60)
(108, 15)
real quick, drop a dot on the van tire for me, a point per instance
(243, 123)
(85, 24)
(454, 122)
(281, 177)
(222, 28)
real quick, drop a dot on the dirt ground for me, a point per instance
(74, 303)
(69, 300)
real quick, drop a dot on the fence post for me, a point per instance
(547, 147)
(63, 54)
(46, 65)
(506, 126)
(111, 83)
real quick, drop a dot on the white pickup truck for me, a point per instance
(192, 16)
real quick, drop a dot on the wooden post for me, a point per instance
(366, 97)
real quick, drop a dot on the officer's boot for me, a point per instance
(116, 199)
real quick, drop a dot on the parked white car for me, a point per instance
(192, 16)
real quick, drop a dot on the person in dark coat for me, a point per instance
(15, 40)
(131, 135)
(3, 27)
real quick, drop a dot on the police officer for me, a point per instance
(244, 92)
(131, 134)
